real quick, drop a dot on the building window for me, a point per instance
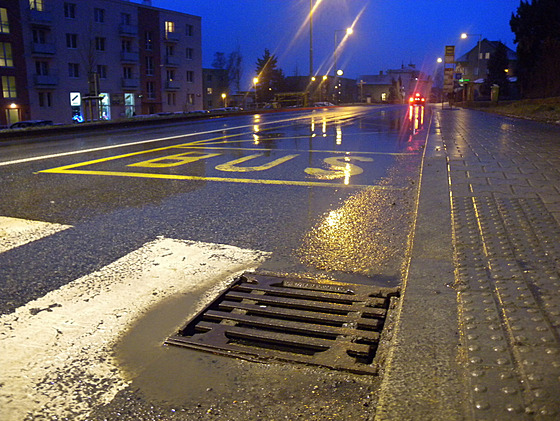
(171, 98)
(208, 78)
(170, 75)
(70, 10)
(190, 30)
(73, 70)
(190, 99)
(190, 76)
(6, 58)
(148, 41)
(190, 54)
(45, 99)
(39, 36)
(149, 66)
(99, 15)
(42, 68)
(150, 90)
(487, 56)
(4, 24)
(100, 43)
(169, 50)
(102, 71)
(209, 91)
(9, 87)
(72, 40)
(169, 27)
(127, 72)
(126, 46)
(37, 5)
(125, 19)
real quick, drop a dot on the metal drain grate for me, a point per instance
(324, 323)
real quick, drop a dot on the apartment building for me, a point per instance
(96, 59)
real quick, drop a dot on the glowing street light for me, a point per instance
(224, 96)
(348, 31)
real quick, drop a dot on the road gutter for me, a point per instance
(423, 377)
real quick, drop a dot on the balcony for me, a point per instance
(130, 83)
(172, 36)
(171, 61)
(43, 48)
(45, 80)
(130, 57)
(128, 30)
(40, 17)
(172, 85)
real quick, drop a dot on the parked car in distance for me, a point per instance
(323, 104)
(31, 123)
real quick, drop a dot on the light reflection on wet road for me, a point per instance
(328, 190)
(330, 193)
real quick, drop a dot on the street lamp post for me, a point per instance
(311, 38)
(337, 71)
(224, 96)
(465, 36)
(255, 81)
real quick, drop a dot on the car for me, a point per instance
(417, 99)
(31, 123)
(323, 104)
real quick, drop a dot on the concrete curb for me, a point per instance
(423, 375)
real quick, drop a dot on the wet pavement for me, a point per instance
(475, 334)
(479, 329)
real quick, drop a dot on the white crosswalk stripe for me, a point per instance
(55, 355)
(15, 232)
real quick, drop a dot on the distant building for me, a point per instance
(394, 85)
(473, 65)
(215, 83)
(338, 90)
(100, 59)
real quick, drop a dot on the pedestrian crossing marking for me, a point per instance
(52, 346)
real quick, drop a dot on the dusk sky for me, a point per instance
(387, 33)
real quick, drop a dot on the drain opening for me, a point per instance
(262, 317)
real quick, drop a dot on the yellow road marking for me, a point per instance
(222, 179)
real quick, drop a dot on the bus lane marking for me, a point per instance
(338, 167)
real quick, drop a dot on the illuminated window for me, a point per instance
(4, 25)
(169, 27)
(37, 5)
(170, 75)
(9, 87)
(6, 59)
(190, 99)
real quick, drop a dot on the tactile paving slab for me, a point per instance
(508, 274)
(264, 317)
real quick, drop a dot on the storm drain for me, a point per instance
(263, 317)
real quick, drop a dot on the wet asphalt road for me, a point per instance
(326, 192)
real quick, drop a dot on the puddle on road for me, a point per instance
(193, 379)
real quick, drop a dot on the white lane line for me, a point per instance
(15, 232)
(55, 352)
(141, 142)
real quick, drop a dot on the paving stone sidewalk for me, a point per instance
(504, 177)
(477, 332)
